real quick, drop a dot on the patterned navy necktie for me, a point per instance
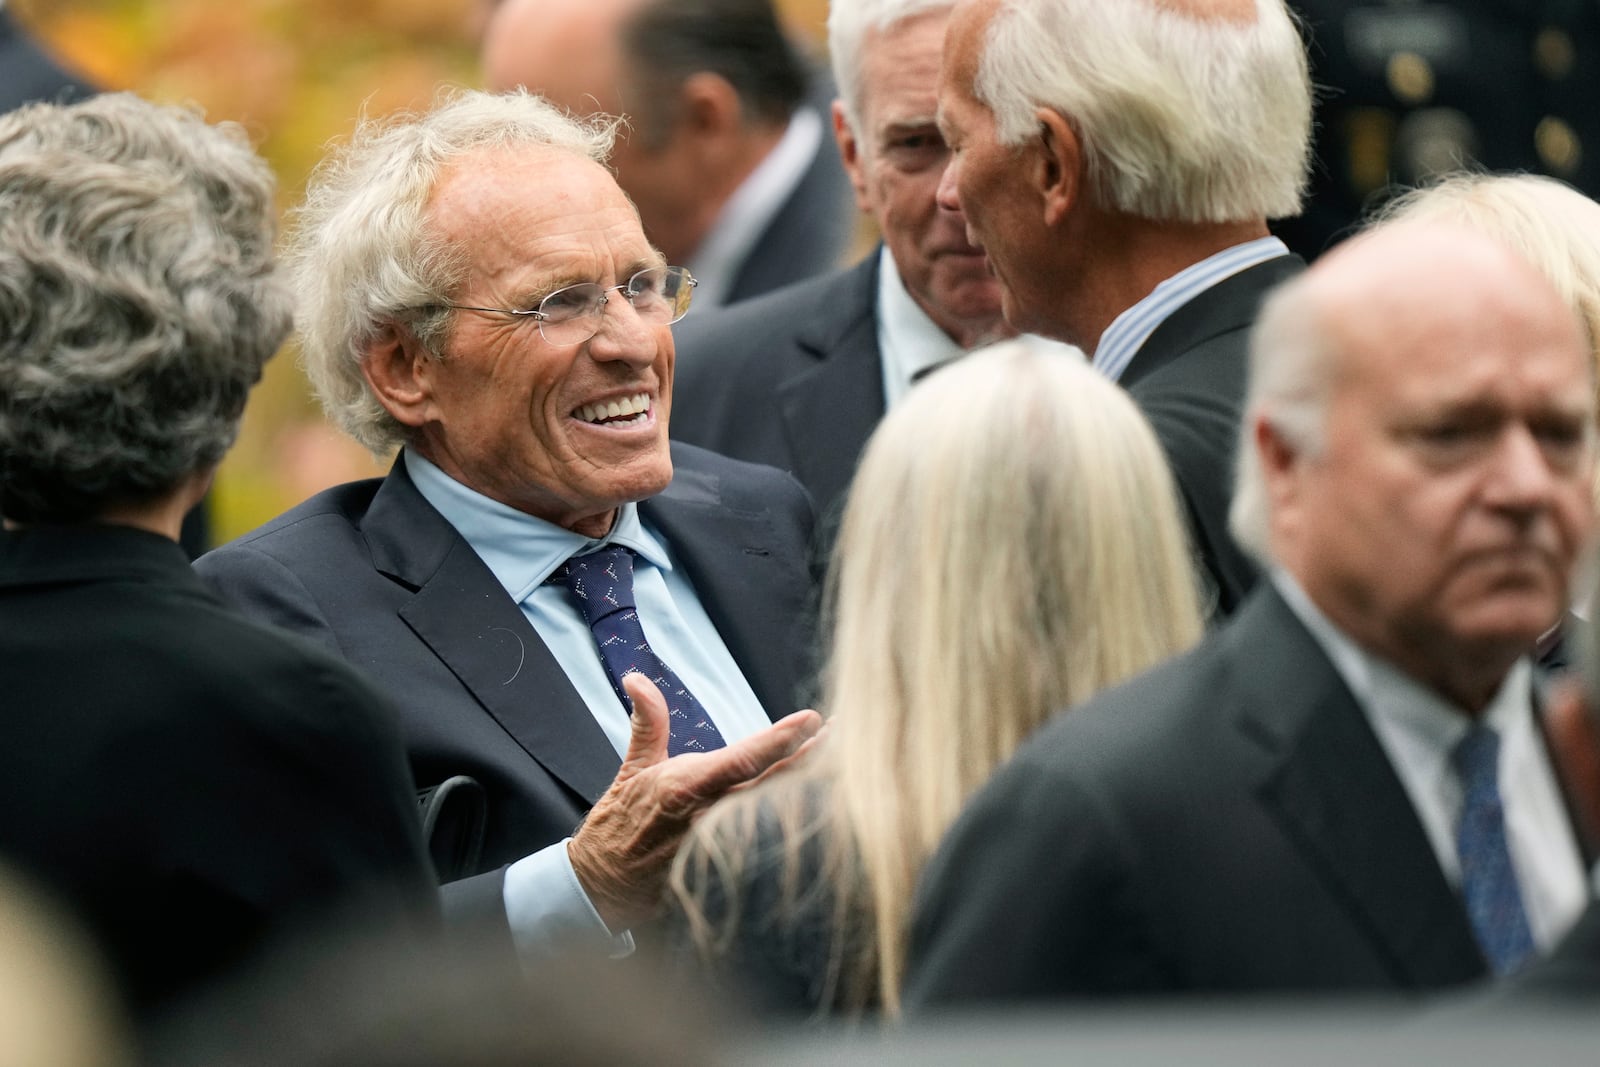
(601, 586)
(1488, 881)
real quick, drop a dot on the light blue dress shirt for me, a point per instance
(545, 904)
(1130, 330)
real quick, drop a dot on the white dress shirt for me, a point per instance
(909, 342)
(1418, 729)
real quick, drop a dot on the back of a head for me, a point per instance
(139, 299)
(849, 24)
(1546, 222)
(1011, 545)
(743, 41)
(361, 251)
(1187, 111)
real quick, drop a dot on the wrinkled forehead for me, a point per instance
(487, 189)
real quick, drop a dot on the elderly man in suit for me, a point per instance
(1118, 161)
(799, 377)
(1346, 788)
(725, 157)
(475, 288)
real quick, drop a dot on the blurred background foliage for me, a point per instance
(295, 73)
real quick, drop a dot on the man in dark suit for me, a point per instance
(525, 366)
(725, 148)
(1346, 787)
(799, 377)
(197, 786)
(1126, 212)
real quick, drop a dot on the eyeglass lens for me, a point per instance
(659, 295)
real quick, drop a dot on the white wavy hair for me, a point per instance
(1182, 118)
(361, 252)
(849, 23)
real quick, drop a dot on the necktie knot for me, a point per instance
(601, 582)
(1477, 761)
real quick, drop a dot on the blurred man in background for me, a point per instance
(724, 153)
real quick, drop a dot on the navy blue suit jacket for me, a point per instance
(372, 571)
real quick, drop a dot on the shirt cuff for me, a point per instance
(550, 913)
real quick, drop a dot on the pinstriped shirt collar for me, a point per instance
(1131, 329)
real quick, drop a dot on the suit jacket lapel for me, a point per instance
(1229, 305)
(465, 617)
(831, 403)
(742, 583)
(1331, 787)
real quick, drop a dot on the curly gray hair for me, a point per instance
(363, 256)
(139, 299)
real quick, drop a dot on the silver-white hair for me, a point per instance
(1292, 367)
(139, 299)
(363, 256)
(849, 23)
(1182, 118)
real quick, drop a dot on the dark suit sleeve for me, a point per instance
(1027, 899)
(289, 809)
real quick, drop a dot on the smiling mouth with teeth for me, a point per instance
(625, 411)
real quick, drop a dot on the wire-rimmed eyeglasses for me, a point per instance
(571, 315)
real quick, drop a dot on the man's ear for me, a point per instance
(1280, 463)
(850, 155)
(709, 106)
(398, 370)
(1058, 173)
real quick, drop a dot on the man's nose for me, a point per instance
(947, 196)
(623, 334)
(1524, 475)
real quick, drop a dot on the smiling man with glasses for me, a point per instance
(476, 290)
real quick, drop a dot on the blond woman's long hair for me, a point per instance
(1011, 545)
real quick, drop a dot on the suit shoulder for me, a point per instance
(1116, 737)
(742, 337)
(736, 476)
(344, 504)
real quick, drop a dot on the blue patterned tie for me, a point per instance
(601, 585)
(1488, 881)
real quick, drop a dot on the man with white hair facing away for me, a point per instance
(1118, 160)
(1345, 788)
(799, 377)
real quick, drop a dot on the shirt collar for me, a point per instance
(752, 206)
(521, 551)
(908, 340)
(1130, 330)
(1427, 724)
